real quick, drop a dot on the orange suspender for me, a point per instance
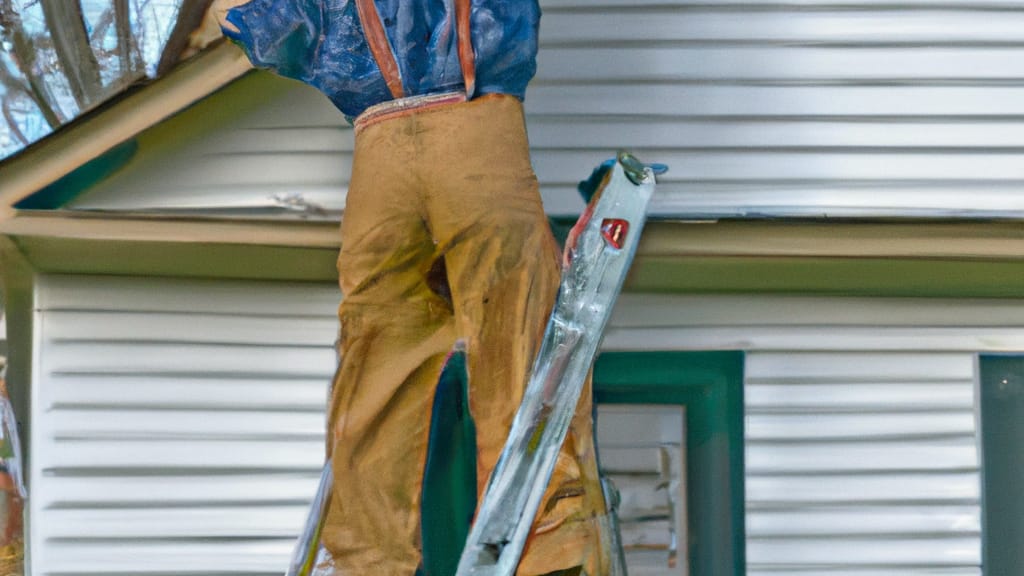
(380, 47)
(466, 57)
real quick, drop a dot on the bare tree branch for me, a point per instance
(12, 123)
(127, 50)
(100, 29)
(24, 54)
(66, 24)
(190, 16)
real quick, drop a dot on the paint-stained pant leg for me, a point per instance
(502, 260)
(395, 335)
(453, 185)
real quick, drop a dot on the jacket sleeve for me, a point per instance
(282, 35)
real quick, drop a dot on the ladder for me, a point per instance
(597, 257)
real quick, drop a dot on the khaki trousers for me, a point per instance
(444, 237)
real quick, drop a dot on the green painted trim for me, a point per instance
(952, 277)
(238, 261)
(19, 307)
(448, 493)
(710, 385)
(1002, 433)
(945, 278)
(81, 179)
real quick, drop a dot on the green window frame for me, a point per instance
(1002, 443)
(710, 386)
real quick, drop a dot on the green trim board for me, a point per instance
(710, 386)
(81, 179)
(179, 259)
(1002, 439)
(18, 290)
(448, 492)
(839, 276)
(882, 277)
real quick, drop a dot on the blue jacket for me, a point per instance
(322, 43)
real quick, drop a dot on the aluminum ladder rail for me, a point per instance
(598, 255)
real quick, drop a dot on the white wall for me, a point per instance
(178, 424)
(806, 107)
(861, 422)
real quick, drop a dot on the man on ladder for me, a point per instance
(444, 238)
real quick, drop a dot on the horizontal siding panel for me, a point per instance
(155, 425)
(182, 557)
(737, 64)
(839, 397)
(815, 198)
(220, 297)
(773, 458)
(852, 367)
(825, 315)
(820, 427)
(107, 327)
(191, 489)
(602, 135)
(817, 338)
(792, 101)
(551, 133)
(186, 391)
(692, 164)
(765, 491)
(890, 551)
(841, 522)
(569, 166)
(846, 571)
(157, 358)
(787, 5)
(693, 22)
(165, 523)
(184, 455)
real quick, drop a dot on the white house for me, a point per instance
(820, 351)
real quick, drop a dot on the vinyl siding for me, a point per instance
(178, 424)
(795, 108)
(860, 423)
(179, 429)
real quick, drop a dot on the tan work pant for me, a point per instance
(444, 237)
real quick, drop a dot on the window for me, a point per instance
(709, 387)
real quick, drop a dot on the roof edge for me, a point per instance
(89, 137)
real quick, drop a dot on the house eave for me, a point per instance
(92, 135)
(935, 259)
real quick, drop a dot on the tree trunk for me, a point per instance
(126, 49)
(66, 24)
(190, 16)
(25, 56)
(12, 124)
